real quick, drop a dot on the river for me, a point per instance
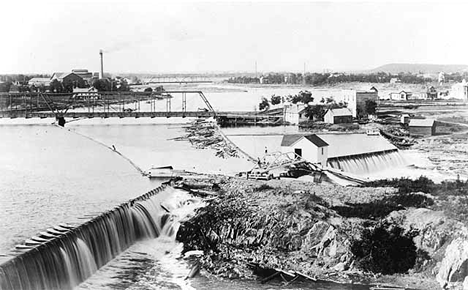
(51, 175)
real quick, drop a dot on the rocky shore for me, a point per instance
(254, 229)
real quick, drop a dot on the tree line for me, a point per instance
(317, 79)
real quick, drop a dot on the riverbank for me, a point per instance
(250, 227)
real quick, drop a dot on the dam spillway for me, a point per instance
(366, 163)
(64, 261)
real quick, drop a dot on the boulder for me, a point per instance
(453, 269)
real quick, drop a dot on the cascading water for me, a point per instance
(364, 164)
(72, 257)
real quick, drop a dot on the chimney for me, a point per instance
(101, 75)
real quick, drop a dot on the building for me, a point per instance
(431, 93)
(70, 78)
(405, 119)
(310, 147)
(362, 96)
(38, 82)
(401, 96)
(338, 116)
(394, 81)
(422, 127)
(86, 75)
(459, 91)
(294, 113)
(419, 96)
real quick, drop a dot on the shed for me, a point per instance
(338, 116)
(310, 147)
(422, 127)
(404, 119)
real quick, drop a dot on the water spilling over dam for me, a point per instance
(67, 258)
(364, 164)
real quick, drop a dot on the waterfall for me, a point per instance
(364, 164)
(75, 254)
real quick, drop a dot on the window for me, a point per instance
(322, 150)
(298, 151)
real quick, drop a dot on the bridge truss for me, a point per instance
(101, 104)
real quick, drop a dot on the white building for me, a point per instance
(338, 116)
(39, 82)
(459, 91)
(419, 96)
(401, 96)
(310, 147)
(294, 113)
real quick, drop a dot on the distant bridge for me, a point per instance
(119, 104)
(178, 79)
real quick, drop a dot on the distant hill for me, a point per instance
(421, 67)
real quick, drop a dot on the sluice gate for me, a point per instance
(69, 258)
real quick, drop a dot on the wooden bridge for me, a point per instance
(120, 104)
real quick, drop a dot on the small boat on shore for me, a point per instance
(160, 172)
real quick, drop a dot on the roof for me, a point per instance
(289, 140)
(62, 75)
(39, 80)
(57, 74)
(421, 122)
(340, 112)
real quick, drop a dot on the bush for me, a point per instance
(405, 185)
(385, 249)
(372, 210)
(263, 187)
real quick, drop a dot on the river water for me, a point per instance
(51, 175)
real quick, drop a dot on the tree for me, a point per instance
(102, 85)
(316, 112)
(56, 86)
(264, 105)
(148, 90)
(275, 100)
(306, 97)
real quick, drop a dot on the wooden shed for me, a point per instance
(338, 116)
(422, 127)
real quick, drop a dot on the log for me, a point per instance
(269, 277)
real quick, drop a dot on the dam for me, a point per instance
(63, 257)
(359, 154)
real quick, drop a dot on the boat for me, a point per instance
(160, 172)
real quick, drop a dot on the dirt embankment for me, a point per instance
(250, 227)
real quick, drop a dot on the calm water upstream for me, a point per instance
(51, 175)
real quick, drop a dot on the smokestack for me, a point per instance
(101, 75)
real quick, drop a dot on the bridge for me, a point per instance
(178, 79)
(158, 104)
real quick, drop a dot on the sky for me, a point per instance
(181, 37)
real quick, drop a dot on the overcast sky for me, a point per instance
(44, 37)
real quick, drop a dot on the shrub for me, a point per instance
(372, 210)
(385, 249)
(263, 187)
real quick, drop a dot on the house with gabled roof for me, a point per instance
(338, 116)
(69, 77)
(310, 147)
(294, 113)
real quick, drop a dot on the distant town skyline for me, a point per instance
(197, 37)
